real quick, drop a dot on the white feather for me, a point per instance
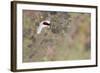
(39, 29)
(41, 26)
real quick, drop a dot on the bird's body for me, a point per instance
(43, 24)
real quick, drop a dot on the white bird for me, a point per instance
(43, 24)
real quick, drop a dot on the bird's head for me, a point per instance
(45, 23)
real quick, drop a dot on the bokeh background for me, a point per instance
(68, 38)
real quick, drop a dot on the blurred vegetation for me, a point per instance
(68, 37)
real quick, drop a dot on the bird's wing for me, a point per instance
(39, 29)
